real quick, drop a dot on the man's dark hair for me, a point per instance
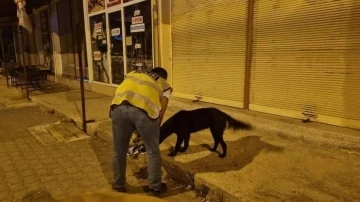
(161, 72)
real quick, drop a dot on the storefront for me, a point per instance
(120, 38)
(306, 59)
(302, 61)
(292, 58)
(209, 49)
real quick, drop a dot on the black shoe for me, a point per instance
(163, 189)
(119, 189)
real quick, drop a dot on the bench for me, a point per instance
(34, 77)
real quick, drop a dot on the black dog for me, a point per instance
(184, 122)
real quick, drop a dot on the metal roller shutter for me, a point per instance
(209, 43)
(306, 59)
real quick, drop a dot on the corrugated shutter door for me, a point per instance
(306, 58)
(209, 43)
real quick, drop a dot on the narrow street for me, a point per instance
(290, 69)
(48, 171)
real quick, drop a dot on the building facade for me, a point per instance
(120, 36)
(57, 34)
(294, 58)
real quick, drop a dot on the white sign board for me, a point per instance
(98, 32)
(97, 55)
(137, 28)
(136, 12)
(137, 20)
(115, 32)
(128, 41)
(137, 45)
(98, 26)
(98, 29)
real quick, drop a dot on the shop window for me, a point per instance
(99, 48)
(79, 36)
(46, 39)
(138, 27)
(70, 30)
(116, 47)
(66, 38)
(8, 37)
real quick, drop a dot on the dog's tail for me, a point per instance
(236, 124)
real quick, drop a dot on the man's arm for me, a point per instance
(164, 103)
(164, 100)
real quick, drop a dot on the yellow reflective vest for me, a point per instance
(142, 90)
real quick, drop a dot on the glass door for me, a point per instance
(99, 48)
(138, 31)
(116, 47)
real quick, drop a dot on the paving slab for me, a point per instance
(57, 132)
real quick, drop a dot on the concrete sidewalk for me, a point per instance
(281, 160)
(44, 158)
(68, 105)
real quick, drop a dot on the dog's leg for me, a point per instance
(224, 148)
(215, 137)
(179, 142)
(186, 142)
(215, 146)
(217, 131)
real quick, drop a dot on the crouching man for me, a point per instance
(139, 103)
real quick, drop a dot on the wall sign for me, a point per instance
(113, 2)
(137, 12)
(137, 28)
(137, 20)
(98, 31)
(115, 32)
(97, 55)
(128, 40)
(138, 46)
(98, 28)
(95, 5)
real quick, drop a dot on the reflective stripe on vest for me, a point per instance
(142, 91)
(147, 101)
(141, 82)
